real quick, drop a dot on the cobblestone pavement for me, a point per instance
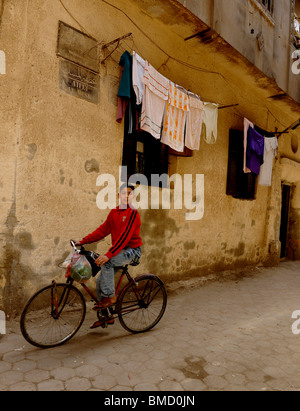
(229, 335)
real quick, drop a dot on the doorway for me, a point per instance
(285, 211)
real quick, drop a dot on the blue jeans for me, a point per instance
(106, 278)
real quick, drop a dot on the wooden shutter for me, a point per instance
(235, 162)
(239, 184)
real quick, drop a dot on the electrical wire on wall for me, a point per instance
(74, 18)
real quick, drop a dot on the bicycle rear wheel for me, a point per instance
(53, 315)
(142, 304)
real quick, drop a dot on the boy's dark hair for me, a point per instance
(126, 185)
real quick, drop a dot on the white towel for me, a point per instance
(266, 170)
(194, 122)
(175, 119)
(156, 94)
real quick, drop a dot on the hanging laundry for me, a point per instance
(247, 124)
(138, 71)
(126, 94)
(126, 78)
(270, 151)
(210, 123)
(122, 101)
(156, 94)
(194, 122)
(255, 151)
(122, 107)
(175, 119)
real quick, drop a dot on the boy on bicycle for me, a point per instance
(123, 223)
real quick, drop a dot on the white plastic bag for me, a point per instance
(68, 260)
(80, 268)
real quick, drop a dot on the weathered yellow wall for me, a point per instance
(49, 140)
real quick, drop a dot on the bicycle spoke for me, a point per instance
(142, 304)
(53, 315)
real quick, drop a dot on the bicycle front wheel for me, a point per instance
(53, 315)
(142, 304)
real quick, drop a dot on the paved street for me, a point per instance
(226, 335)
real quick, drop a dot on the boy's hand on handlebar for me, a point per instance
(101, 260)
(77, 243)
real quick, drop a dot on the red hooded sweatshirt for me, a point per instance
(124, 227)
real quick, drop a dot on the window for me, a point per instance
(239, 184)
(268, 5)
(143, 154)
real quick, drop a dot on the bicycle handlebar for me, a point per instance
(83, 251)
(73, 245)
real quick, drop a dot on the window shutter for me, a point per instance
(234, 162)
(239, 184)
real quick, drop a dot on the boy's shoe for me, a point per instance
(105, 302)
(101, 323)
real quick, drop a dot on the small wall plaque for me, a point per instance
(78, 47)
(79, 81)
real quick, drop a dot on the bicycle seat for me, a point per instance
(135, 263)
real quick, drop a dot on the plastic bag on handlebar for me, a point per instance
(91, 256)
(80, 268)
(66, 263)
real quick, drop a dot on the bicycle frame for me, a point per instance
(131, 280)
(91, 294)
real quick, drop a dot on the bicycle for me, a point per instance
(54, 314)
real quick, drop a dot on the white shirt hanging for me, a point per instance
(265, 175)
(210, 120)
(138, 71)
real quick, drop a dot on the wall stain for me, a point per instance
(92, 166)
(62, 177)
(24, 241)
(32, 149)
(239, 251)
(189, 245)
(156, 230)
(8, 263)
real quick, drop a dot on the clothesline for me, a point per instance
(178, 117)
(259, 153)
(167, 111)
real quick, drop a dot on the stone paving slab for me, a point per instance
(225, 336)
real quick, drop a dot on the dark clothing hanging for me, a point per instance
(255, 150)
(126, 94)
(126, 78)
